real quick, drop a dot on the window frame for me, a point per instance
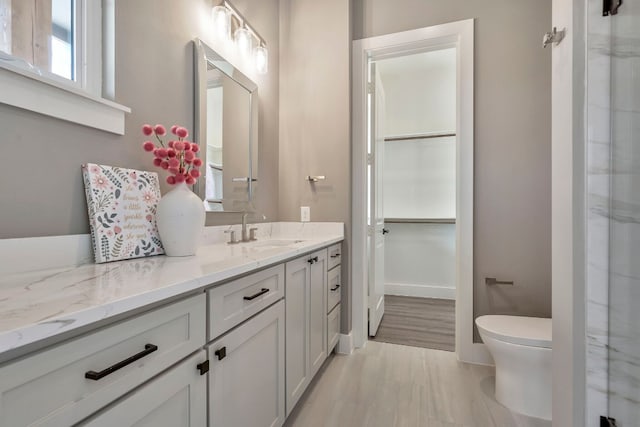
(81, 101)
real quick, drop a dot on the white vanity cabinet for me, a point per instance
(334, 295)
(176, 398)
(66, 383)
(306, 327)
(246, 380)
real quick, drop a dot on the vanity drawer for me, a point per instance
(334, 288)
(333, 328)
(51, 388)
(232, 303)
(335, 255)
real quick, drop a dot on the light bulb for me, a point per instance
(262, 59)
(243, 40)
(221, 17)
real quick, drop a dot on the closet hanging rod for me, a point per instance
(419, 136)
(420, 220)
(422, 136)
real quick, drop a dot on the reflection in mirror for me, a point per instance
(226, 110)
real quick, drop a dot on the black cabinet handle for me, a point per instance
(256, 295)
(93, 375)
(313, 260)
(336, 288)
(335, 256)
(385, 230)
(221, 353)
(203, 367)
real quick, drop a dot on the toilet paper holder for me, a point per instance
(493, 281)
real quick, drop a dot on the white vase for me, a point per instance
(180, 218)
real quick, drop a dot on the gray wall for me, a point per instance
(512, 211)
(154, 76)
(315, 119)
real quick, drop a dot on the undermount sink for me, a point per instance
(275, 242)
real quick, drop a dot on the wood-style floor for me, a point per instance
(418, 322)
(388, 385)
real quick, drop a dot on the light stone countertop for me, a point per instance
(38, 308)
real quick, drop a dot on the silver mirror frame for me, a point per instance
(201, 55)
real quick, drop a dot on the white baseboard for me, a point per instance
(422, 291)
(345, 344)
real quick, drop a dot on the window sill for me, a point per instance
(24, 89)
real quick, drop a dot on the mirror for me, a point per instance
(226, 129)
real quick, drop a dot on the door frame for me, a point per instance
(458, 34)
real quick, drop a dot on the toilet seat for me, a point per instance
(521, 330)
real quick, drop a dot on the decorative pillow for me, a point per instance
(122, 207)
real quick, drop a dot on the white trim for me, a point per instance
(345, 344)
(77, 102)
(420, 291)
(460, 35)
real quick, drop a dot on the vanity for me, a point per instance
(229, 337)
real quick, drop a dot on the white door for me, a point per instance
(176, 398)
(376, 228)
(246, 381)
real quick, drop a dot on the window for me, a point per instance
(51, 60)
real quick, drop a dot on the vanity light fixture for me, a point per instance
(221, 17)
(224, 16)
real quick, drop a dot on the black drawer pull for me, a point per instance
(336, 288)
(93, 375)
(221, 353)
(335, 256)
(313, 260)
(254, 296)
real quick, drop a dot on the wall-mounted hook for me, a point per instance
(315, 178)
(554, 37)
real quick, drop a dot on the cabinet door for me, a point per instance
(318, 311)
(246, 381)
(297, 328)
(176, 398)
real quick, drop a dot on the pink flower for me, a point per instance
(174, 171)
(170, 144)
(180, 178)
(195, 148)
(160, 130)
(171, 180)
(187, 145)
(190, 181)
(100, 182)
(189, 156)
(171, 152)
(117, 229)
(182, 132)
(149, 196)
(161, 153)
(197, 162)
(174, 129)
(194, 173)
(174, 163)
(147, 130)
(164, 165)
(149, 217)
(178, 145)
(157, 162)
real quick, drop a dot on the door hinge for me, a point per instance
(371, 87)
(610, 7)
(607, 422)
(369, 159)
(203, 367)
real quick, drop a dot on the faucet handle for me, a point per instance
(232, 237)
(252, 233)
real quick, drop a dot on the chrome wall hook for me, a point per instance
(554, 37)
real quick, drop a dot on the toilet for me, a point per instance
(521, 350)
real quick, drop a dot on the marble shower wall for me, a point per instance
(624, 277)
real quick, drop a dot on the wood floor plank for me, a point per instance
(418, 322)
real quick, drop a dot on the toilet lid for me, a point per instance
(530, 331)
